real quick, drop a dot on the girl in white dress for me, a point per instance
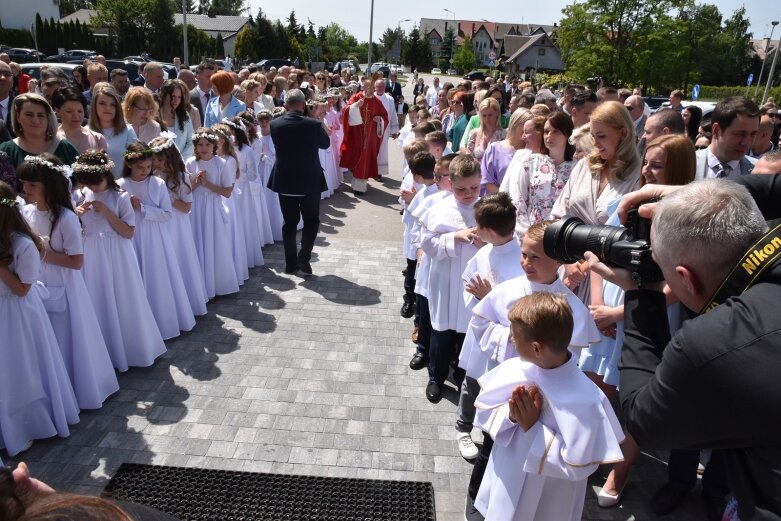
(249, 126)
(153, 244)
(168, 165)
(246, 206)
(36, 397)
(70, 310)
(317, 110)
(267, 156)
(212, 185)
(227, 152)
(110, 265)
(333, 119)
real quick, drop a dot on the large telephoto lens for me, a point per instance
(568, 239)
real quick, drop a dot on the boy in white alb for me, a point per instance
(488, 337)
(450, 240)
(552, 426)
(409, 187)
(497, 261)
(420, 204)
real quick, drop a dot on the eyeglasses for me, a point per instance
(141, 109)
(772, 115)
(700, 147)
(438, 177)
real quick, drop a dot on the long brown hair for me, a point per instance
(224, 131)
(11, 221)
(174, 166)
(680, 164)
(56, 191)
(181, 112)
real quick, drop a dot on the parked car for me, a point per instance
(706, 107)
(345, 65)
(274, 62)
(398, 69)
(436, 70)
(131, 67)
(23, 55)
(33, 70)
(73, 54)
(452, 72)
(475, 75)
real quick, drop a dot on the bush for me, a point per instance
(16, 37)
(717, 93)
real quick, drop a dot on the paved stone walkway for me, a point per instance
(291, 375)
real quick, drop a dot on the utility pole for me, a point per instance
(185, 56)
(371, 28)
(767, 47)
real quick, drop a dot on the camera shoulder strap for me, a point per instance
(752, 264)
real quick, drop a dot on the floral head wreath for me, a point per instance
(10, 203)
(65, 170)
(169, 141)
(103, 165)
(209, 136)
(141, 154)
(234, 125)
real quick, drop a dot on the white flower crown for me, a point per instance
(104, 166)
(10, 203)
(169, 141)
(65, 170)
(208, 136)
(234, 125)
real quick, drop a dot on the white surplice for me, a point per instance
(410, 250)
(393, 127)
(542, 473)
(494, 264)
(448, 259)
(416, 235)
(487, 342)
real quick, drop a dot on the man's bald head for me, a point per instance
(769, 163)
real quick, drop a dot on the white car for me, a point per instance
(436, 70)
(452, 72)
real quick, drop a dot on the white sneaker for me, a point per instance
(466, 446)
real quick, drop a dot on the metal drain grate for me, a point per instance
(193, 494)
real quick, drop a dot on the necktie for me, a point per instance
(723, 170)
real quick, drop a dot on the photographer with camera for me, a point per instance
(714, 385)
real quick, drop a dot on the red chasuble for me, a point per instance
(361, 144)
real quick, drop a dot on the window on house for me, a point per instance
(541, 51)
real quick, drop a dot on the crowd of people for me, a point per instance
(488, 167)
(120, 221)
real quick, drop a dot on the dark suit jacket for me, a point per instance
(717, 380)
(395, 91)
(5, 134)
(195, 101)
(297, 170)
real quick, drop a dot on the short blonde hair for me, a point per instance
(543, 317)
(518, 118)
(414, 147)
(464, 166)
(536, 231)
(581, 137)
(135, 95)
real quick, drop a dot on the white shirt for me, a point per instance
(431, 95)
(714, 166)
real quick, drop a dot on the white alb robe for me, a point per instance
(542, 473)
(416, 236)
(487, 342)
(393, 127)
(495, 264)
(448, 259)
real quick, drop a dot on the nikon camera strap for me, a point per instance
(746, 272)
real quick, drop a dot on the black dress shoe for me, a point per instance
(304, 266)
(291, 269)
(433, 393)
(419, 361)
(667, 498)
(407, 309)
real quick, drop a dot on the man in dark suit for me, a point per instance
(393, 87)
(201, 94)
(298, 178)
(6, 82)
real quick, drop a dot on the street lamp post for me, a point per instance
(398, 35)
(371, 28)
(767, 46)
(455, 35)
(769, 81)
(184, 33)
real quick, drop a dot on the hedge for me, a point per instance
(16, 37)
(717, 93)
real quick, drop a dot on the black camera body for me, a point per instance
(568, 239)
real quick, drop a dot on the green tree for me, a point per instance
(71, 6)
(137, 24)
(447, 48)
(293, 27)
(229, 7)
(464, 58)
(417, 52)
(339, 42)
(392, 41)
(247, 43)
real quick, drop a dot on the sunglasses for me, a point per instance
(700, 147)
(773, 115)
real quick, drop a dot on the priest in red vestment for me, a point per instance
(364, 121)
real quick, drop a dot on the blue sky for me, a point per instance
(354, 14)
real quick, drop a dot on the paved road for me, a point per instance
(302, 376)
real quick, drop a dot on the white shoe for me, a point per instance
(466, 446)
(606, 500)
